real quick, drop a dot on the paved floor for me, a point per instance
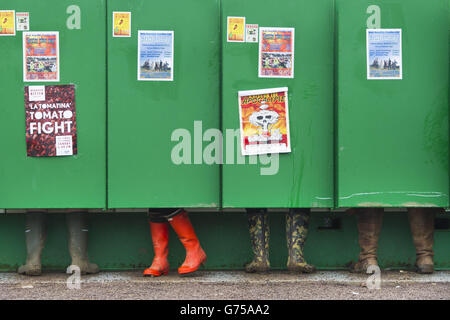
(228, 285)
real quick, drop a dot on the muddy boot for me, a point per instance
(369, 227)
(35, 235)
(77, 226)
(296, 231)
(259, 236)
(421, 221)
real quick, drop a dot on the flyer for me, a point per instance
(50, 121)
(276, 52)
(22, 21)
(235, 29)
(41, 56)
(121, 24)
(251, 33)
(384, 53)
(7, 23)
(155, 55)
(264, 121)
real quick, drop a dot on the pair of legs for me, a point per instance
(159, 220)
(35, 235)
(421, 222)
(297, 223)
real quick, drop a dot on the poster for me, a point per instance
(7, 23)
(121, 24)
(276, 53)
(51, 128)
(40, 56)
(155, 55)
(22, 21)
(251, 33)
(235, 29)
(384, 53)
(264, 121)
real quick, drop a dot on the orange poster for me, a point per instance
(235, 29)
(7, 23)
(121, 24)
(41, 56)
(264, 121)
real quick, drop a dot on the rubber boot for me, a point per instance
(297, 221)
(369, 227)
(259, 235)
(195, 256)
(77, 225)
(421, 221)
(160, 238)
(35, 235)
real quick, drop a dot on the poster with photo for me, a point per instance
(276, 52)
(121, 24)
(41, 56)
(22, 21)
(264, 121)
(251, 33)
(7, 23)
(50, 121)
(235, 29)
(384, 53)
(155, 55)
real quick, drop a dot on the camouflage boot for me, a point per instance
(296, 232)
(35, 235)
(259, 235)
(369, 227)
(421, 221)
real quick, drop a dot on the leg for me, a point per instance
(297, 222)
(259, 236)
(421, 221)
(369, 227)
(77, 225)
(35, 234)
(195, 256)
(159, 229)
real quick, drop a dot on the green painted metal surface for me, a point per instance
(59, 182)
(142, 115)
(305, 176)
(392, 135)
(122, 241)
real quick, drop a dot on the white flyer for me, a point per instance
(251, 33)
(22, 21)
(384, 53)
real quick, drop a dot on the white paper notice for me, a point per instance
(22, 21)
(251, 34)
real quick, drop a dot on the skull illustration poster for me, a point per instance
(40, 56)
(384, 53)
(276, 52)
(235, 29)
(7, 23)
(121, 24)
(264, 121)
(51, 128)
(155, 55)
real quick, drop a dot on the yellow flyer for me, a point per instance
(235, 29)
(121, 24)
(7, 23)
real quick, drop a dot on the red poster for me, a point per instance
(51, 128)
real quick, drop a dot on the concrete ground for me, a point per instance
(224, 285)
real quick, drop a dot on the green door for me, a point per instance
(156, 128)
(303, 177)
(77, 181)
(392, 138)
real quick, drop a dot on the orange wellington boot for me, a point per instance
(195, 256)
(160, 238)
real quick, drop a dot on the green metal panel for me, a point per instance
(392, 143)
(305, 176)
(63, 182)
(142, 115)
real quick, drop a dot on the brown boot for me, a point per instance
(421, 221)
(369, 227)
(259, 235)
